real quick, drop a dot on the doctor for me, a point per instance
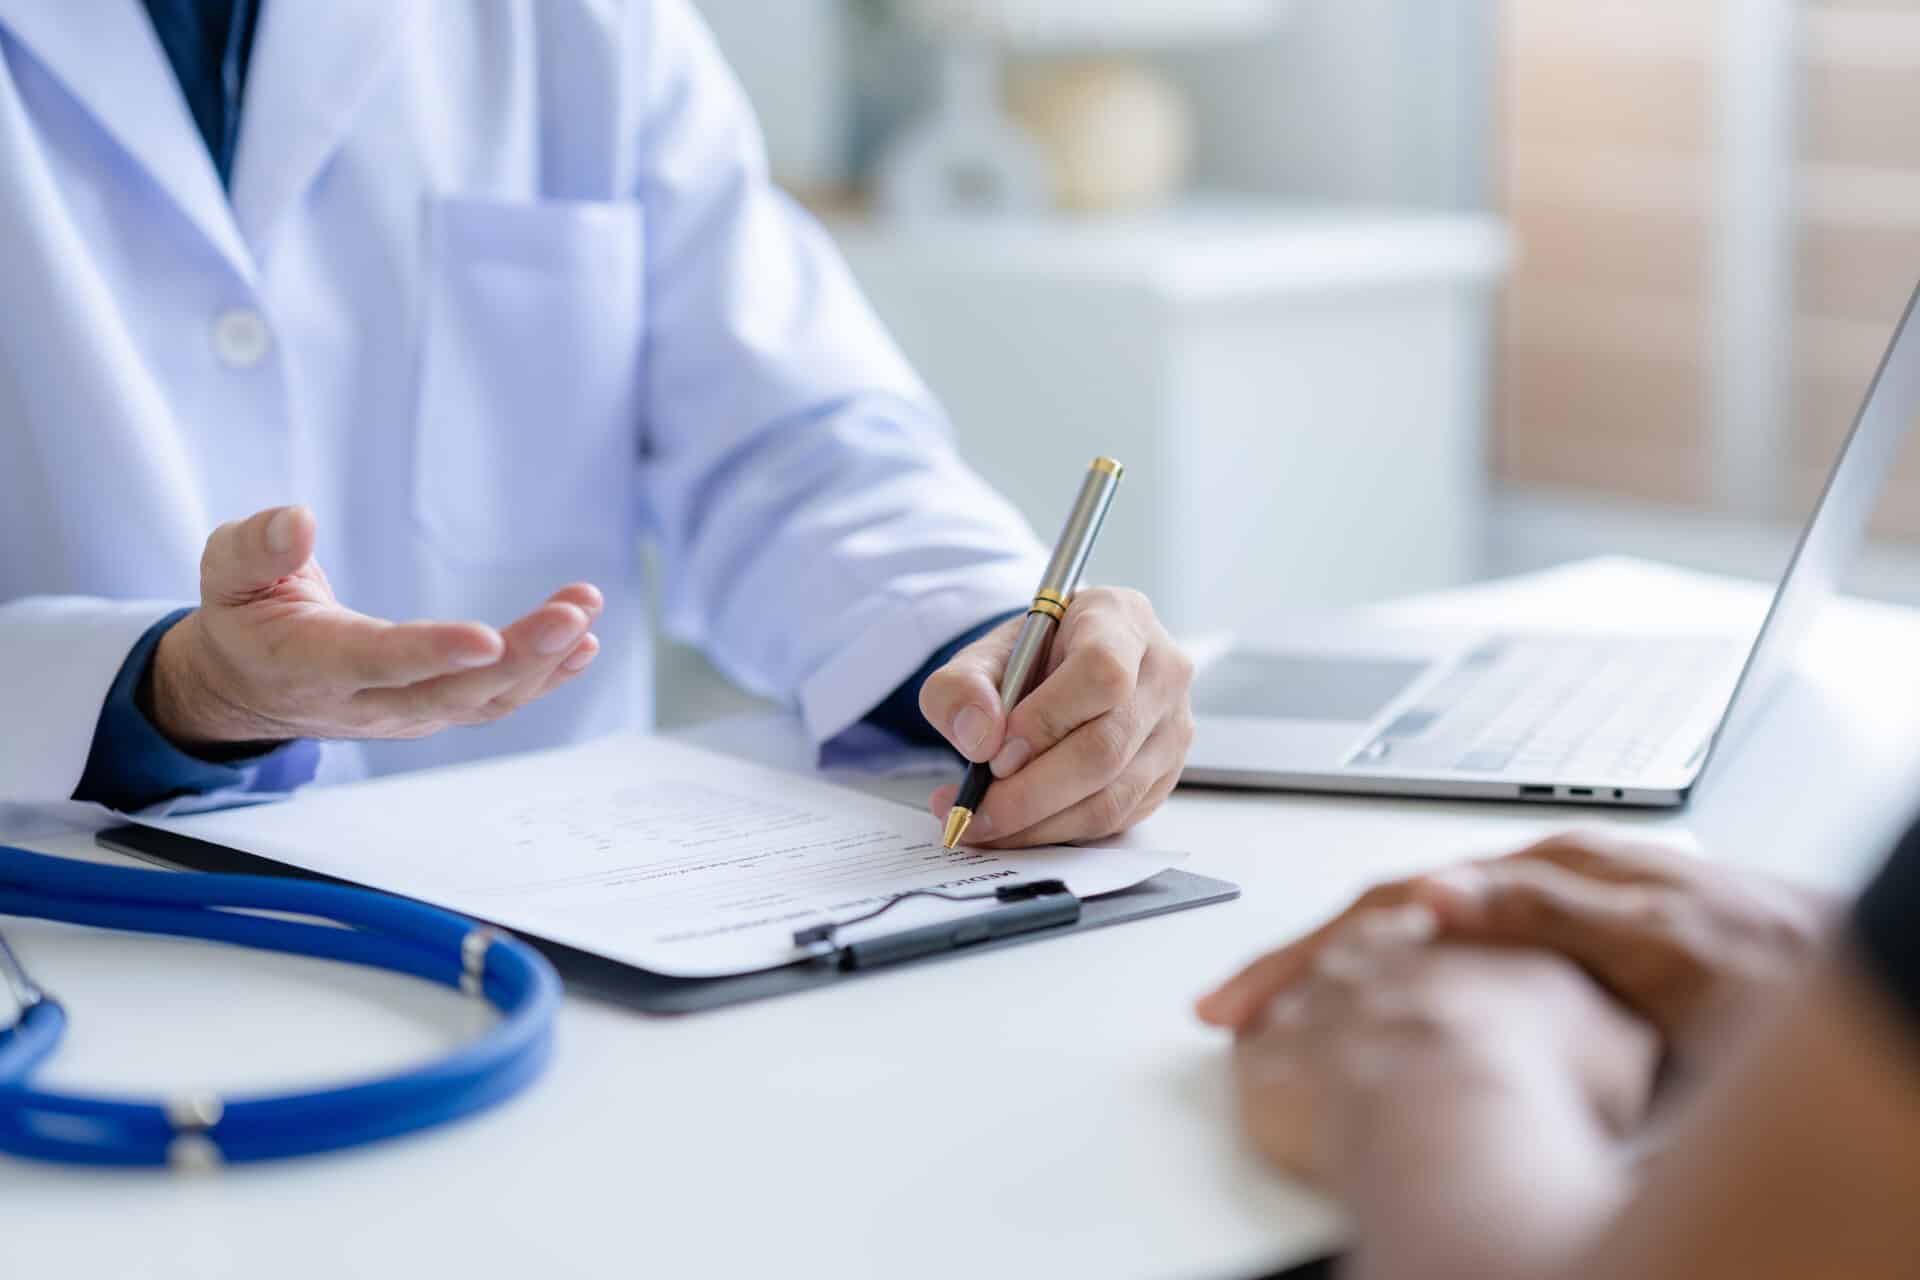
(463, 299)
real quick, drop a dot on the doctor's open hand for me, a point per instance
(271, 655)
(1095, 746)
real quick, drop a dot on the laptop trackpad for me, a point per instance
(1299, 686)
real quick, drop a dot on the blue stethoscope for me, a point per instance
(196, 1130)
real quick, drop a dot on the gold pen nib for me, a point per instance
(958, 819)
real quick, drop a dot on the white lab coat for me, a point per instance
(502, 290)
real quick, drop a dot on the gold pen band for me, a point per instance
(1051, 603)
(1109, 466)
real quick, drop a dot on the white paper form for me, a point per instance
(647, 851)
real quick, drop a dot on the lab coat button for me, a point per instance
(241, 338)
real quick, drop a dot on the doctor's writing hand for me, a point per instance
(271, 655)
(1098, 742)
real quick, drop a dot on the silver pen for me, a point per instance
(1050, 603)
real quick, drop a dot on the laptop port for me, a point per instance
(1579, 791)
(1546, 792)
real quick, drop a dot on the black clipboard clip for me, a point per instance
(1024, 908)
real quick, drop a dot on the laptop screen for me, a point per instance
(1838, 525)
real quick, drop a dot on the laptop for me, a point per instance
(1554, 716)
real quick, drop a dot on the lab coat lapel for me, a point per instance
(313, 67)
(106, 55)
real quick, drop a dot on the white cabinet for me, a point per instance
(1300, 396)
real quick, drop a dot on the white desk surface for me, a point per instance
(1048, 1110)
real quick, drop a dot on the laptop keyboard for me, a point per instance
(1550, 707)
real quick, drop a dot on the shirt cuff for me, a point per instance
(133, 767)
(892, 634)
(899, 714)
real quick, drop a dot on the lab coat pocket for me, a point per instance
(528, 417)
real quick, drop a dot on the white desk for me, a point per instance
(1049, 1110)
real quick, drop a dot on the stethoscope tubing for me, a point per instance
(382, 931)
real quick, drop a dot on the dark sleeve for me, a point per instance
(132, 765)
(900, 714)
(1886, 922)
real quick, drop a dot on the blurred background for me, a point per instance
(1373, 296)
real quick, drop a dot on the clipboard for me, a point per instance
(654, 993)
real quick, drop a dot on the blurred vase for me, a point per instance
(1116, 134)
(963, 157)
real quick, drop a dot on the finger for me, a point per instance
(578, 659)
(570, 666)
(535, 647)
(1101, 652)
(962, 699)
(1235, 1002)
(575, 662)
(583, 595)
(942, 800)
(1156, 796)
(1162, 675)
(373, 654)
(1613, 931)
(245, 557)
(1091, 759)
(471, 641)
(540, 676)
(1106, 811)
(1183, 728)
(1353, 955)
(1608, 856)
(1460, 899)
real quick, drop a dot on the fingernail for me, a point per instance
(578, 661)
(1288, 1009)
(556, 636)
(280, 532)
(595, 600)
(1411, 923)
(1467, 882)
(970, 729)
(1011, 756)
(475, 658)
(1465, 896)
(982, 825)
(1345, 959)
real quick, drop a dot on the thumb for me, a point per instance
(245, 557)
(962, 699)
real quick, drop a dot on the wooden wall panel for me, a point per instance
(1611, 422)
(1859, 241)
(1859, 272)
(1608, 130)
(1610, 138)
